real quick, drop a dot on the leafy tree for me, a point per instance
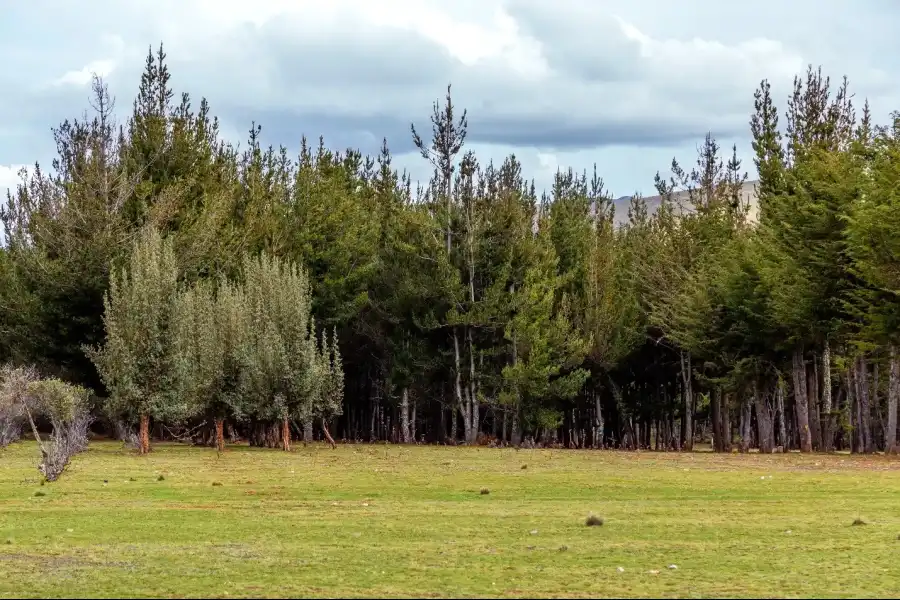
(140, 362)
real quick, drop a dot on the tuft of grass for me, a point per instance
(485, 491)
(9, 541)
(160, 478)
(857, 522)
(217, 483)
(39, 494)
(132, 479)
(524, 467)
(593, 521)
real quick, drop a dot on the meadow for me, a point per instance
(428, 521)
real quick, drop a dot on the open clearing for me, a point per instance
(373, 520)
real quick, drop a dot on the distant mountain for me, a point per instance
(748, 192)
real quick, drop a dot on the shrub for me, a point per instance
(593, 521)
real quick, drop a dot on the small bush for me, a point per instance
(39, 494)
(160, 478)
(217, 483)
(485, 491)
(857, 521)
(593, 521)
(524, 467)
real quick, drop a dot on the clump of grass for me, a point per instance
(217, 483)
(9, 541)
(132, 479)
(563, 548)
(485, 491)
(857, 521)
(160, 478)
(39, 494)
(593, 521)
(43, 481)
(524, 467)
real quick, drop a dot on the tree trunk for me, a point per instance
(862, 382)
(764, 429)
(412, 423)
(144, 435)
(688, 397)
(454, 426)
(515, 437)
(285, 434)
(827, 408)
(328, 434)
(716, 409)
(404, 416)
(598, 422)
(812, 392)
(890, 432)
(220, 435)
(462, 403)
(782, 418)
(308, 430)
(474, 410)
(746, 418)
(853, 407)
(801, 401)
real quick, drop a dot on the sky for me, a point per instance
(623, 84)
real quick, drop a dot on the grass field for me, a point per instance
(412, 522)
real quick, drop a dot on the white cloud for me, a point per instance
(9, 179)
(622, 83)
(83, 76)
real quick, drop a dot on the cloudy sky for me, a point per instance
(626, 84)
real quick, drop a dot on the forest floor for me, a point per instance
(395, 521)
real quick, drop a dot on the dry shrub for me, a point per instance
(12, 418)
(23, 392)
(14, 382)
(593, 521)
(127, 435)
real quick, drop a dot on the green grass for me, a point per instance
(412, 522)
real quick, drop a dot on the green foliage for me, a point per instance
(141, 363)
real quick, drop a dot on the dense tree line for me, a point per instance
(193, 284)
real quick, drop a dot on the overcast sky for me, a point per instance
(627, 84)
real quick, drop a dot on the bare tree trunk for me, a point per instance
(862, 383)
(327, 434)
(782, 418)
(220, 435)
(598, 422)
(827, 408)
(716, 410)
(746, 418)
(308, 430)
(144, 434)
(812, 392)
(412, 423)
(890, 432)
(853, 407)
(688, 397)
(764, 429)
(285, 434)
(515, 432)
(461, 397)
(404, 416)
(474, 409)
(801, 401)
